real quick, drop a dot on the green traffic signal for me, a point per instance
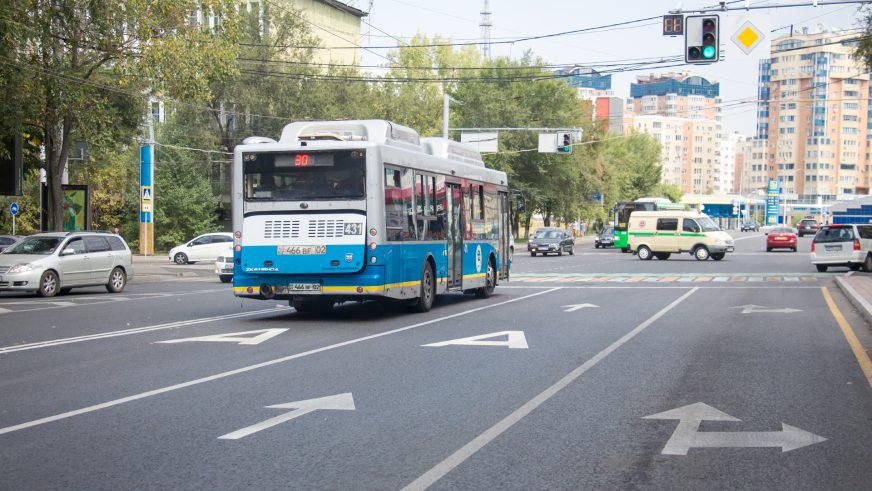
(708, 52)
(566, 149)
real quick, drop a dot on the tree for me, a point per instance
(863, 51)
(81, 68)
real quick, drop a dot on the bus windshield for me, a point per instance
(295, 176)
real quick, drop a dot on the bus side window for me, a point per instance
(467, 205)
(437, 226)
(399, 216)
(422, 203)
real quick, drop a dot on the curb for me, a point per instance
(862, 305)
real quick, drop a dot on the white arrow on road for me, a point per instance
(687, 434)
(579, 306)
(758, 309)
(338, 402)
(245, 338)
(514, 340)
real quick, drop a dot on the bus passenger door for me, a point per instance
(455, 236)
(505, 241)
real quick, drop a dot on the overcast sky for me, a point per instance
(459, 20)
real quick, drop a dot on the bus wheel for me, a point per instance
(490, 281)
(644, 253)
(424, 302)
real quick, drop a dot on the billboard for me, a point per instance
(773, 200)
(77, 208)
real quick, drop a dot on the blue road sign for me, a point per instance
(13, 209)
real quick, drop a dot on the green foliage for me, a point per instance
(863, 51)
(670, 191)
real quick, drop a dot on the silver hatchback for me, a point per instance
(53, 263)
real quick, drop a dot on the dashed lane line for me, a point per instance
(230, 373)
(442, 468)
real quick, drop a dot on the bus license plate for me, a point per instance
(304, 288)
(301, 250)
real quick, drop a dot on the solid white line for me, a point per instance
(218, 376)
(465, 452)
(748, 237)
(135, 330)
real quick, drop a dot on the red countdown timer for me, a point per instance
(301, 160)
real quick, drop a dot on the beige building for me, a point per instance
(689, 149)
(813, 118)
(741, 167)
(335, 24)
(682, 112)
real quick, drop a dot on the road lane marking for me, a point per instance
(859, 352)
(442, 468)
(229, 373)
(748, 237)
(338, 402)
(244, 338)
(579, 306)
(687, 434)
(135, 330)
(514, 340)
(759, 309)
(105, 300)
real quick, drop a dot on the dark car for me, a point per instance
(750, 225)
(551, 241)
(606, 238)
(8, 240)
(807, 227)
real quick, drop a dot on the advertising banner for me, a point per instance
(773, 200)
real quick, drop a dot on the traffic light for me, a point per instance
(701, 38)
(564, 142)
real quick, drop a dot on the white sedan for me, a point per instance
(224, 268)
(207, 247)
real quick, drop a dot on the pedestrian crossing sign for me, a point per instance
(146, 193)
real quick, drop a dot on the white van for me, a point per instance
(661, 233)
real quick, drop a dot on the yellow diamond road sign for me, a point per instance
(747, 37)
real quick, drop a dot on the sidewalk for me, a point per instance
(160, 266)
(858, 289)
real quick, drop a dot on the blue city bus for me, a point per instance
(355, 210)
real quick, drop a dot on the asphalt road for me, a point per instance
(552, 391)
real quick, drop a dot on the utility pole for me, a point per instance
(146, 192)
(445, 109)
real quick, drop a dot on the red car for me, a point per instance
(781, 238)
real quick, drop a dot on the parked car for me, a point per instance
(551, 241)
(53, 263)
(842, 245)
(807, 227)
(8, 240)
(750, 225)
(224, 268)
(781, 238)
(661, 233)
(207, 247)
(605, 238)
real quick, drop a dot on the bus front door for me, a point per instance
(455, 237)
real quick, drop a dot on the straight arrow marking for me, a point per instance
(514, 340)
(245, 338)
(579, 306)
(757, 309)
(338, 402)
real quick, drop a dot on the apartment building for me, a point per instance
(596, 88)
(681, 111)
(813, 118)
(732, 146)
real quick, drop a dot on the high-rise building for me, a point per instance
(813, 118)
(741, 169)
(682, 112)
(731, 151)
(592, 86)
